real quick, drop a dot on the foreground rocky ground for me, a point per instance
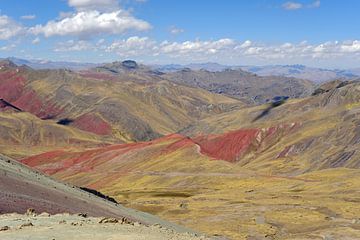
(67, 227)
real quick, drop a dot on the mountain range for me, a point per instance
(317, 75)
(228, 153)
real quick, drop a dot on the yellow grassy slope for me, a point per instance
(23, 134)
(225, 199)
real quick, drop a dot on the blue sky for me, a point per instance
(312, 32)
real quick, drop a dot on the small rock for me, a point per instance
(5, 228)
(183, 205)
(31, 212)
(157, 225)
(29, 224)
(84, 215)
(124, 220)
(76, 224)
(109, 220)
(62, 222)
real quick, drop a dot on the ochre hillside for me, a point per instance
(91, 106)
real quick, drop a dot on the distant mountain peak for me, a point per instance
(131, 64)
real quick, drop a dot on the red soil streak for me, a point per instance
(43, 158)
(31, 102)
(57, 161)
(228, 147)
(11, 85)
(12, 90)
(92, 123)
(182, 142)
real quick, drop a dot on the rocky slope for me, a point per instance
(243, 85)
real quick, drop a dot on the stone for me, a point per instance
(108, 220)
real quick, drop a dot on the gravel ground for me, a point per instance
(67, 227)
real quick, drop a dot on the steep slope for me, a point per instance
(23, 188)
(243, 85)
(126, 108)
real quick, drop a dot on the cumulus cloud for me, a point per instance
(195, 47)
(144, 46)
(134, 46)
(9, 28)
(90, 23)
(28, 17)
(231, 50)
(292, 6)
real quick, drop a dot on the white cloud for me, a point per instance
(90, 23)
(9, 28)
(84, 5)
(245, 44)
(143, 46)
(292, 6)
(196, 47)
(28, 17)
(175, 30)
(351, 47)
(134, 46)
(224, 50)
(231, 50)
(36, 40)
